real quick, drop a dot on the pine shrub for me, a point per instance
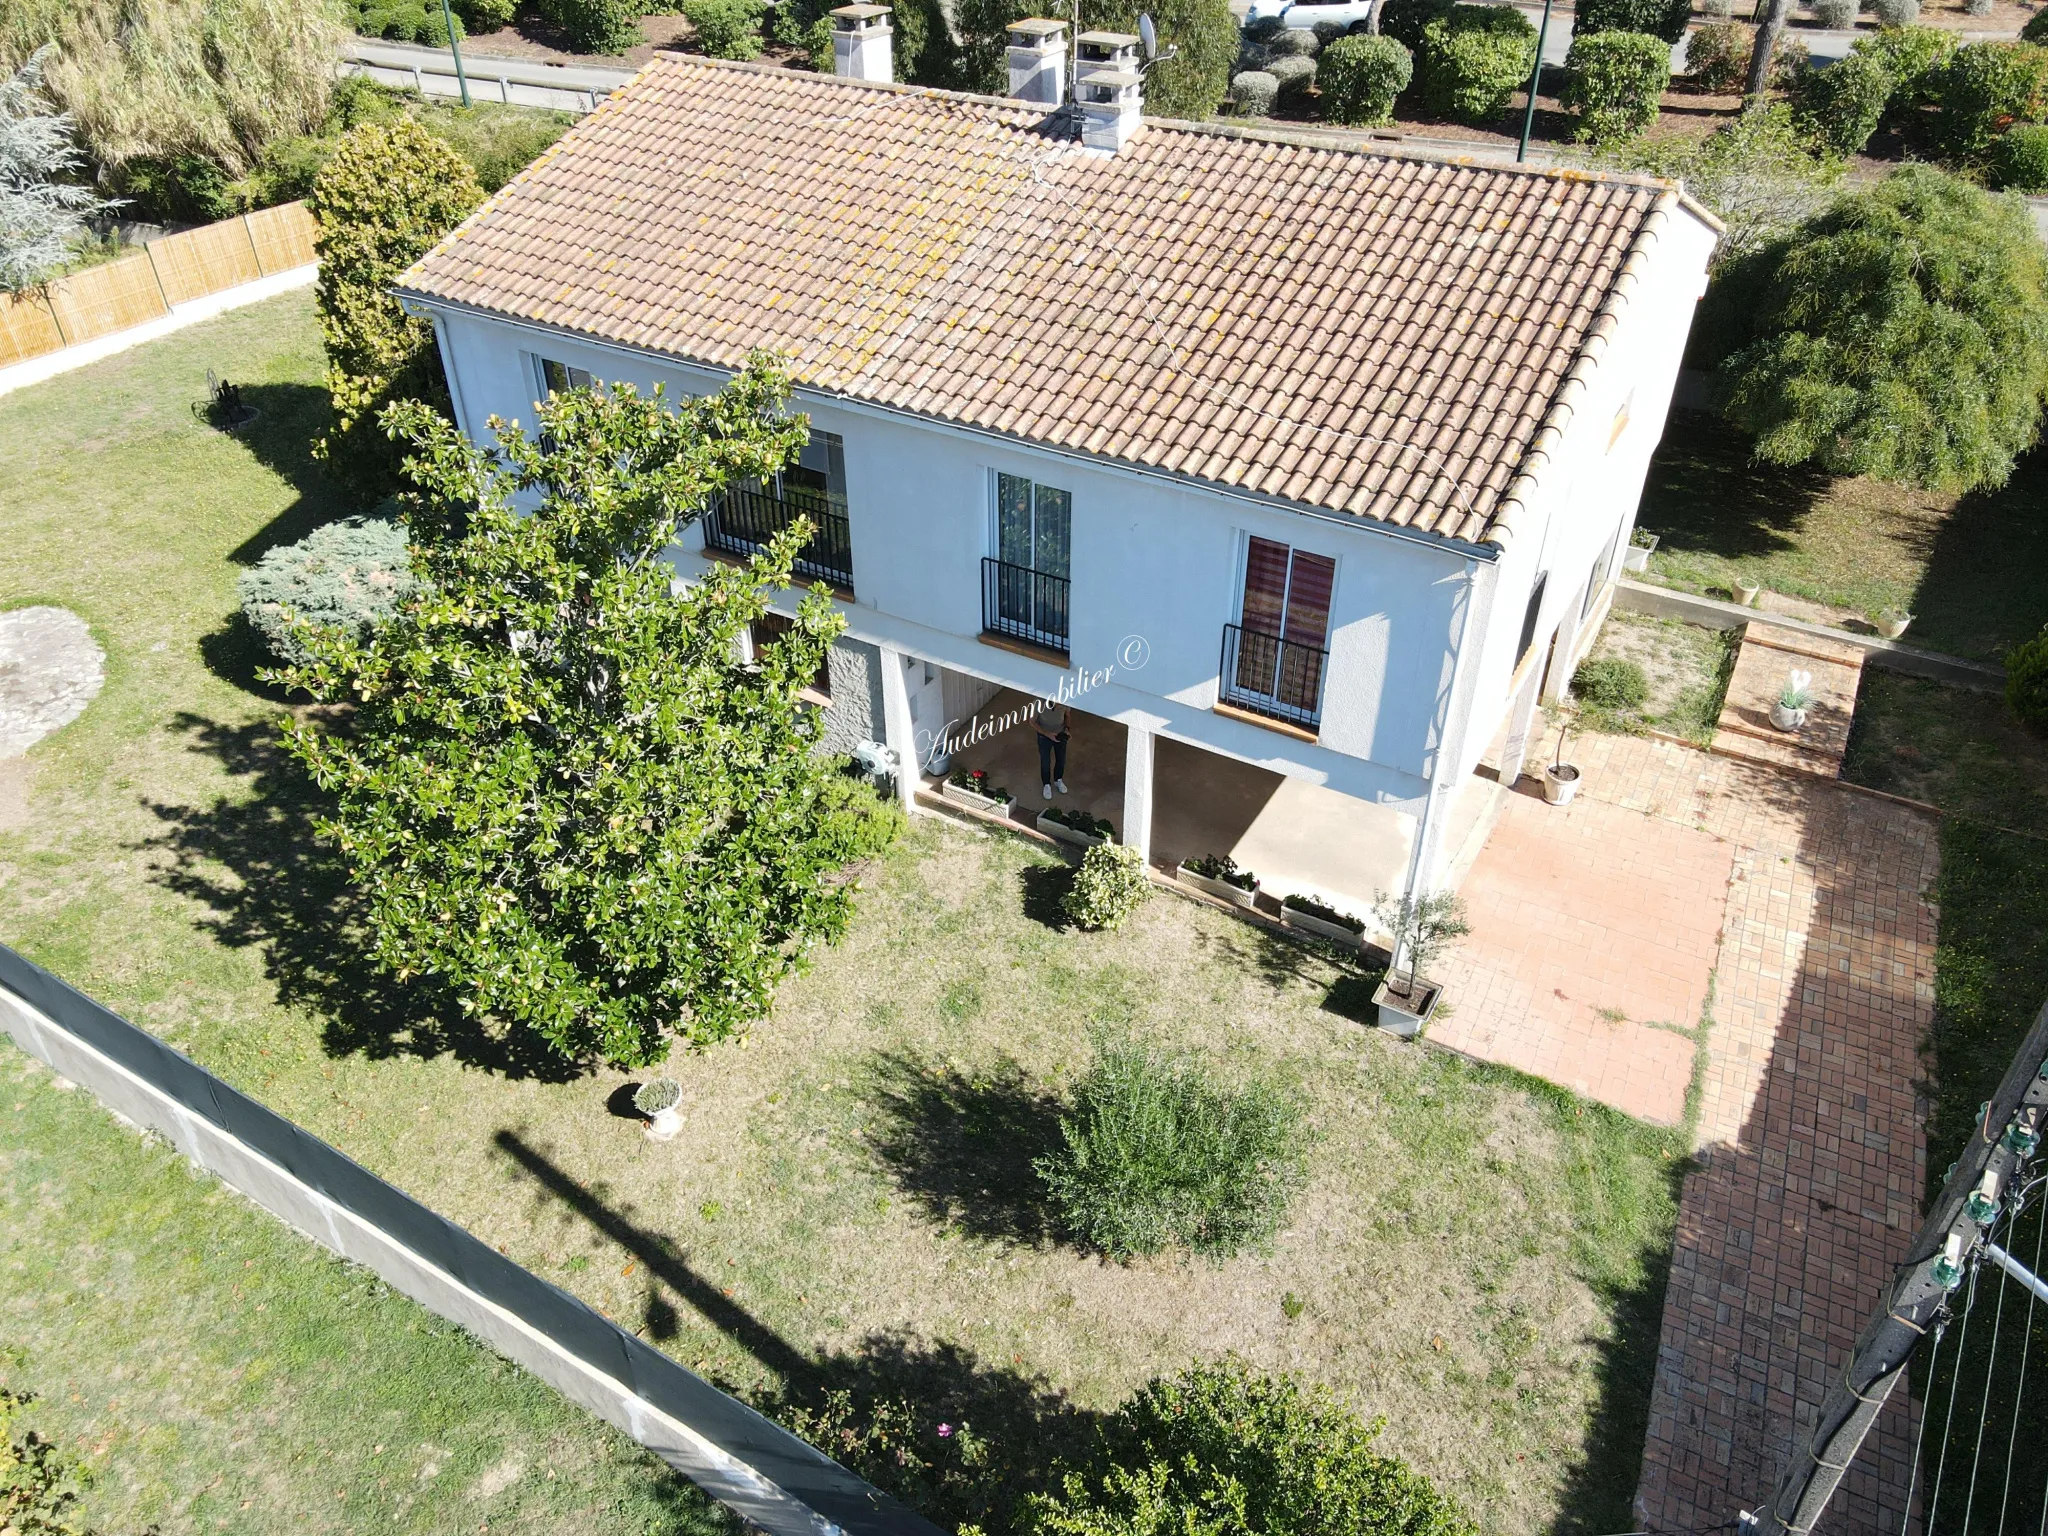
(347, 576)
(2026, 680)
(1985, 88)
(1841, 106)
(1159, 1156)
(727, 29)
(1292, 73)
(1360, 76)
(1614, 82)
(2019, 158)
(1473, 59)
(1717, 55)
(1108, 888)
(595, 26)
(1660, 18)
(1294, 40)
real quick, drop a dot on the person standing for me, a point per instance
(1054, 723)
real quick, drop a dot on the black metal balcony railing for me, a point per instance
(1024, 604)
(743, 518)
(1271, 676)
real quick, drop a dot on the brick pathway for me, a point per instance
(1769, 652)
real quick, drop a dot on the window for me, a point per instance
(555, 377)
(769, 628)
(1026, 582)
(1273, 657)
(747, 514)
(1599, 577)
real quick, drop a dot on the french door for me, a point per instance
(1283, 630)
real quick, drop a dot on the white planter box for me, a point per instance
(1335, 932)
(960, 795)
(1065, 833)
(1402, 1019)
(1636, 557)
(1222, 890)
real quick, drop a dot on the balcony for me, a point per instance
(741, 519)
(1266, 675)
(1023, 605)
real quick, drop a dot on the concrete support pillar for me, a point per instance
(899, 733)
(1137, 828)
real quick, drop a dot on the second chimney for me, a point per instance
(1038, 61)
(861, 43)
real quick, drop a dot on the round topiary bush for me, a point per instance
(1292, 74)
(2019, 158)
(727, 29)
(1660, 18)
(1294, 40)
(1158, 1156)
(1327, 32)
(1254, 91)
(1405, 20)
(1473, 59)
(1610, 683)
(2026, 680)
(350, 574)
(1897, 13)
(1839, 107)
(1108, 888)
(1614, 82)
(1264, 29)
(1835, 15)
(1986, 86)
(485, 15)
(1360, 76)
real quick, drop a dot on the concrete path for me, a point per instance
(50, 669)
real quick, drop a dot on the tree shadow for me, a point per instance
(1044, 889)
(955, 1437)
(265, 879)
(236, 654)
(962, 1144)
(1707, 494)
(1985, 586)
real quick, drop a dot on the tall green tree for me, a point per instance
(1903, 333)
(560, 789)
(387, 194)
(1189, 85)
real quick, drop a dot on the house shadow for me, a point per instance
(954, 1436)
(293, 416)
(1985, 584)
(265, 879)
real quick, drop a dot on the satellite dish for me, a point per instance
(1148, 35)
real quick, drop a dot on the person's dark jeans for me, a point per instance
(1052, 759)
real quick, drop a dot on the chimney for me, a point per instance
(1105, 50)
(1038, 61)
(861, 43)
(1109, 88)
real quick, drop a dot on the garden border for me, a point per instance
(754, 1466)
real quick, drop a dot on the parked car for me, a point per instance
(1305, 14)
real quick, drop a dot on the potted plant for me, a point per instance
(1746, 592)
(972, 786)
(1420, 926)
(1076, 827)
(658, 1100)
(1560, 778)
(1219, 875)
(1794, 699)
(1323, 920)
(1637, 556)
(1892, 622)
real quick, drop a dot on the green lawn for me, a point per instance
(1478, 1257)
(214, 1371)
(1973, 570)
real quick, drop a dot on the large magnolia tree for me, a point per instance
(559, 786)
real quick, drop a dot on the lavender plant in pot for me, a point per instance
(660, 1101)
(1420, 925)
(1794, 699)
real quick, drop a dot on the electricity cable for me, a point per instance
(2026, 1344)
(1954, 1381)
(1984, 1402)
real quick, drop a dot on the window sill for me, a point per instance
(1044, 653)
(796, 583)
(1265, 722)
(814, 696)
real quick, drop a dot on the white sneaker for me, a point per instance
(1060, 785)
(1048, 790)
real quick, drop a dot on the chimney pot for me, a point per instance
(1112, 107)
(1038, 61)
(1106, 50)
(861, 43)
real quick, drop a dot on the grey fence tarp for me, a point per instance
(834, 1496)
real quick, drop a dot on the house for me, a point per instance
(1299, 465)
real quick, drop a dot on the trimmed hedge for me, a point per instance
(1360, 76)
(1613, 83)
(2019, 158)
(1985, 88)
(1473, 59)
(1835, 15)
(1293, 73)
(1405, 20)
(1660, 18)
(1254, 91)
(727, 29)
(595, 26)
(406, 21)
(1840, 107)
(1897, 13)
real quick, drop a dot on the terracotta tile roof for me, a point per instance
(1359, 331)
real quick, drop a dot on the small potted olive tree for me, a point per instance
(1560, 778)
(660, 1101)
(1420, 925)
(1794, 699)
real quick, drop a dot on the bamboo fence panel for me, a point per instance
(283, 237)
(205, 260)
(27, 328)
(102, 300)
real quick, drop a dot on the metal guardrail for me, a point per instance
(741, 520)
(765, 1473)
(1022, 604)
(1267, 675)
(515, 82)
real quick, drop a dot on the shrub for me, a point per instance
(1254, 92)
(1613, 83)
(389, 192)
(2019, 158)
(348, 575)
(1610, 683)
(1292, 73)
(1406, 20)
(1760, 174)
(1841, 106)
(1474, 59)
(1835, 15)
(1916, 56)
(1297, 41)
(485, 15)
(595, 26)
(43, 210)
(1717, 55)
(1897, 13)
(726, 29)
(1157, 1156)
(2036, 29)
(1660, 18)
(1984, 88)
(2026, 680)
(1108, 888)
(1902, 334)
(1360, 77)
(1282, 1457)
